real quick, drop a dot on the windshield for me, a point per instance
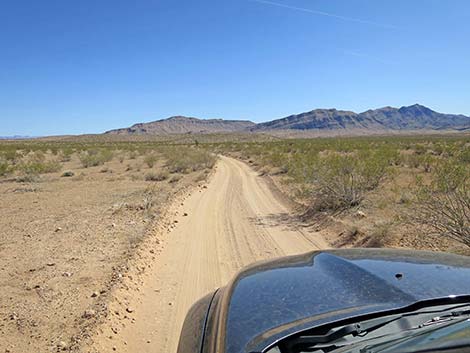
(444, 337)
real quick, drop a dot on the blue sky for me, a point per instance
(92, 65)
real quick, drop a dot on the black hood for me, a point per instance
(270, 300)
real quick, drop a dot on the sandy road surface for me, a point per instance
(233, 222)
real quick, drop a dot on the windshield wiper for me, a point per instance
(420, 341)
(356, 329)
(404, 322)
(443, 318)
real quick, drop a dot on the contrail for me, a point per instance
(366, 56)
(322, 13)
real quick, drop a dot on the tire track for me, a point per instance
(229, 224)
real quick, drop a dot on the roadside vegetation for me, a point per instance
(28, 161)
(392, 191)
(74, 214)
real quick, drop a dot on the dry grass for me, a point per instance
(387, 178)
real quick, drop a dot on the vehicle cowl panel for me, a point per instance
(321, 287)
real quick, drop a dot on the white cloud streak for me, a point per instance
(326, 14)
(367, 56)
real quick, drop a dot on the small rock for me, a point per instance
(360, 214)
(62, 346)
(88, 314)
(50, 264)
(170, 303)
(94, 294)
(175, 221)
(58, 229)
(67, 274)
(185, 214)
(130, 309)
(114, 348)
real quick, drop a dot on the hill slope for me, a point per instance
(415, 117)
(318, 121)
(184, 125)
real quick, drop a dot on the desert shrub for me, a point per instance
(379, 236)
(67, 174)
(464, 155)
(420, 149)
(28, 178)
(185, 160)
(175, 178)
(150, 160)
(412, 161)
(66, 154)
(36, 167)
(133, 155)
(149, 198)
(342, 181)
(160, 176)
(37, 156)
(405, 198)
(11, 156)
(5, 168)
(427, 163)
(444, 204)
(54, 150)
(93, 158)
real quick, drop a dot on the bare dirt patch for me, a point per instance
(66, 238)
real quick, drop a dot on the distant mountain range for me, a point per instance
(388, 119)
(15, 137)
(184, 125)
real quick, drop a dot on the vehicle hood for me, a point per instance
(270, 300)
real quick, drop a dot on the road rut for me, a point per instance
(233, 222)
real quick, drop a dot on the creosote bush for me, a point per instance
(40, 167)
(150, 160)
(93, 158)
(4, 168)
(185, 159)
(342, 181)
(379, 236)
(160, 176)
(444, 205)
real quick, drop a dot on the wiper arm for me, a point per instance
(444, 318)
(357, 329)
(406, 322)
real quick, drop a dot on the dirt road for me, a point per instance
(232, 222)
